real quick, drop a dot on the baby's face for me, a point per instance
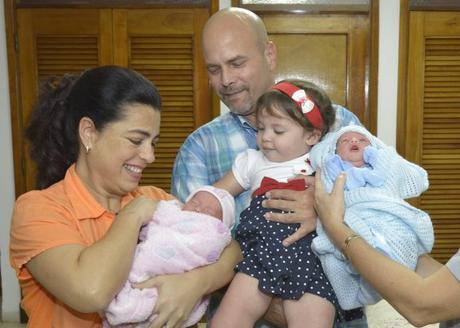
(350, 148)
(206, 203)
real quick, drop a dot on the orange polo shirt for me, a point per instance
(65, 213)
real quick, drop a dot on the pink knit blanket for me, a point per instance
(174, 241)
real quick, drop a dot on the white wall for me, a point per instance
(10, 288)
(224, 4)
(388, 70)
(387, 88)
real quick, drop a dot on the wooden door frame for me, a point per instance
(16, 116)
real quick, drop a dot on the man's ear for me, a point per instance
(314, 137)
(87, 132)
(271, 55)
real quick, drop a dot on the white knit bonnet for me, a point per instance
(226, 202)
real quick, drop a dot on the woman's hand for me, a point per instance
(140, 208)
(177, 296)
(330, 207)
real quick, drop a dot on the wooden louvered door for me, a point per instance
(165, 46)
(433, 120)
(55, 42)
(162, 44)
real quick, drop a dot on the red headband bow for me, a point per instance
(303, 101)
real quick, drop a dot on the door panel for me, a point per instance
(165, 46)
(49, 45)
(316, 52)
(433, 120)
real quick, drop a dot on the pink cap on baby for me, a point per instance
(226, 201)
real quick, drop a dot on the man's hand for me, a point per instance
(299, 204)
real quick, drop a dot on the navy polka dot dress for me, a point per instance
(286, 272)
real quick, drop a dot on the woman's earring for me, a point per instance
(88, 148)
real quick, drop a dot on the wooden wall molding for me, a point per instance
(434, 5)
(310, 7)
(16, 117)
(112, 3)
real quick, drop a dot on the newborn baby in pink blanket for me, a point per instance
(177, 239)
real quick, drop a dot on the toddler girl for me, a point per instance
(291, 118)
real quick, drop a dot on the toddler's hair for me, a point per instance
(273, 101)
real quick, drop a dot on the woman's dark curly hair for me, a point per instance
(100, 94)
(274, 100)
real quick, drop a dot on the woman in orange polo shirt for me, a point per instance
(73, 240)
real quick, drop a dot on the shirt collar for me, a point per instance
(245, 123)
(83, 203)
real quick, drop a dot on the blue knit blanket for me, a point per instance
(379, 214)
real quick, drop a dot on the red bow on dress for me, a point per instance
(270, 184)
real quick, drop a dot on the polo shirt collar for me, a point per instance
(83, 203)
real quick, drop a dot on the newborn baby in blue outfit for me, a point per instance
(378, 182)
(354, 157)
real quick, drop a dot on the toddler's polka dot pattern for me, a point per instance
(287, 272)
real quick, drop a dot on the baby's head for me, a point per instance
(212, 201)
(291, 118)
(350, 147)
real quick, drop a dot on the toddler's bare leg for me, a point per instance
(309, 311)
(243, 304)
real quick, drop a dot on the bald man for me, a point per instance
(241, 60)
